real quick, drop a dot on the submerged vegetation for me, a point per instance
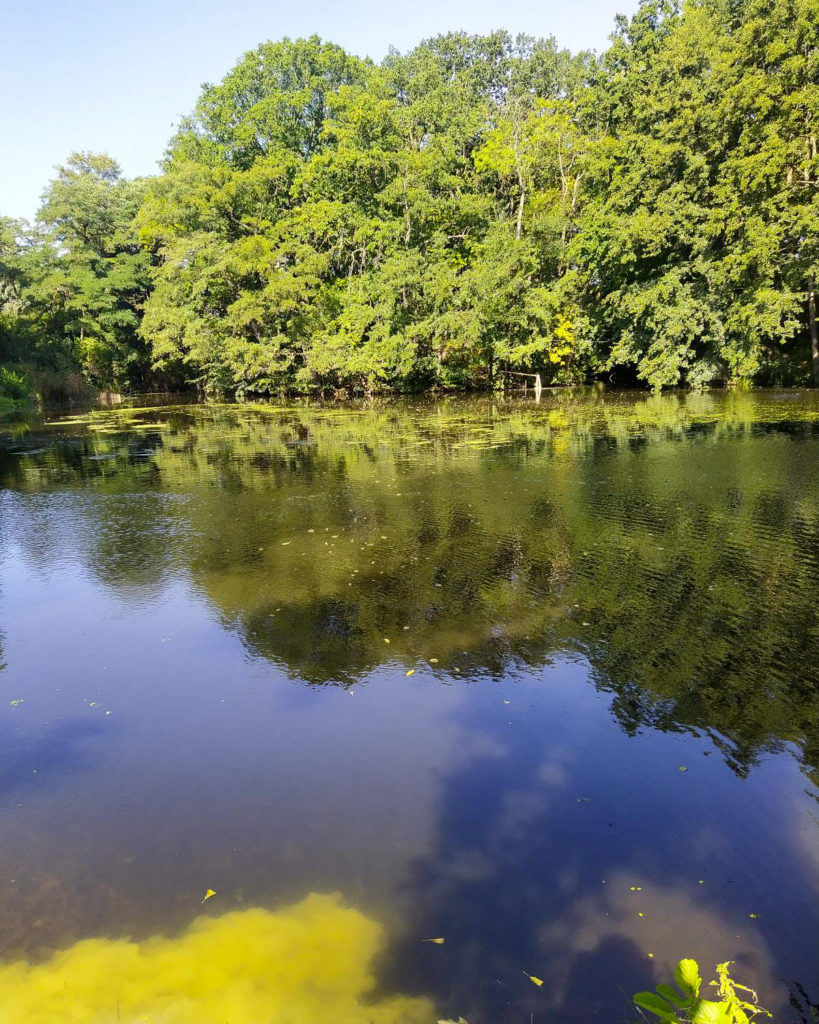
(476, 206)
(308, 962)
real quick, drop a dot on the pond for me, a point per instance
(537, 679)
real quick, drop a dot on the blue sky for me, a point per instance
(116, 75)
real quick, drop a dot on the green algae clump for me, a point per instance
(302, 964)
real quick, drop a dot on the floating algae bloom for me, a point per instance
(303, 964)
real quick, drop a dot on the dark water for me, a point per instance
(608, 747)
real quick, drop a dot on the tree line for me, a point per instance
(478, 206)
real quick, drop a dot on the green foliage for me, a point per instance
(378, 252)
(13, 385)
(76, 282)
(685, 1003)
(477, 205)
(700, 235)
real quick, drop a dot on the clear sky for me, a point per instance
(116, 75)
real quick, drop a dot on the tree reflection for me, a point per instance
(672, 541)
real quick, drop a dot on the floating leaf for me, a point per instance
(438, 942)
(534, 980)
(208, 894)
(683, 768)
(410, 673)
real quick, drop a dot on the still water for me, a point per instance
(538, 679)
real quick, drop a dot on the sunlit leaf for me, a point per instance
(208, 894)
(687, 976)
(707, 1012)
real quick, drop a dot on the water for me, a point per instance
(605, 756)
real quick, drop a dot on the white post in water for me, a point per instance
(538, 387)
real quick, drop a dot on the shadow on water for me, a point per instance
(61, 750)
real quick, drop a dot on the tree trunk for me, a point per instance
(519, 225)
(814, 332)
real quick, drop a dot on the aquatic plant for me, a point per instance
(685, 1003)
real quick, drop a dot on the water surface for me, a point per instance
(539, 679)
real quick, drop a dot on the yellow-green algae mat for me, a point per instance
(302, 964)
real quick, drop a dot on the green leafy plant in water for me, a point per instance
(685, 1004)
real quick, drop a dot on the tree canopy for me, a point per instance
(479, 205)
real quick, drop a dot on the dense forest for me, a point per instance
(475, 207)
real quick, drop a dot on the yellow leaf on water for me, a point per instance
(534, 980)
(433, 661)
(410, 673)
(438, 942)
(208, 894)
(386, 639)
